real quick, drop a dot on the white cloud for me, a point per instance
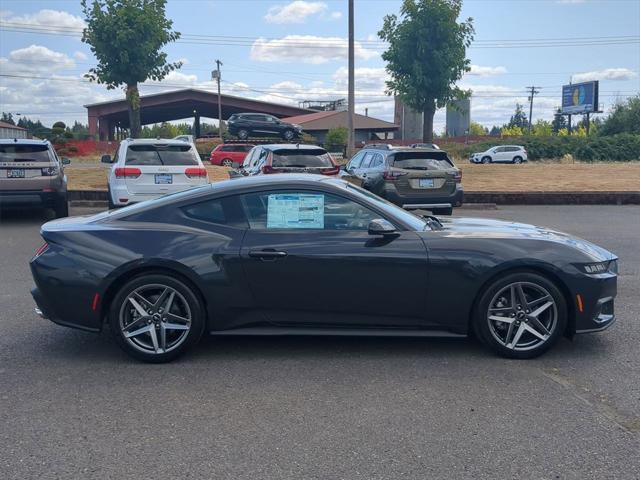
(46, 18)
(370, 79)
(298, 12)
(35, 59)
(306, 49)
(484, 71)
(80, 56)
(606, 74)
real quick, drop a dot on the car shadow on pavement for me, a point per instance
(25, 215)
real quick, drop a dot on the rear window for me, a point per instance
(24, 153)
(422, 161)
(301, 158)
(161, 155)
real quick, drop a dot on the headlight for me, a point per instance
(599, 267)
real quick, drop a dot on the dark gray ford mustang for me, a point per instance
(303, 254)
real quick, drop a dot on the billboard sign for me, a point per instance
(579, 98)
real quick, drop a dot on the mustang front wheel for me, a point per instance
(521, 315)
(155, 318)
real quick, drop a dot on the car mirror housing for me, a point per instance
(380, 226)
(105, 159)
(65, 161)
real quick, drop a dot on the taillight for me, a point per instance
(458, 177)
(43, 248)
(49, 171)
(196, 172)
(392, 175)
(330, 171)
(127, 172)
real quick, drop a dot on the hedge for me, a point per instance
(623, 147)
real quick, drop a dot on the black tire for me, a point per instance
(517, 160)
(443, 211)
(110, 199)
(61, 207)
(486, 160)
(186, 296)
(288, 135)
(529, 280)
(243, 134)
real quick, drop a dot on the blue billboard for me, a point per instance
(580, 98)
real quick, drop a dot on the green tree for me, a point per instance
(126, 37)
(7, 118)
(495, 131)
(476, 129)
(427, 55)
(512, 131)
(519, 118)
(624, 118)
(542, 128)
(336, 137)
(559, 122)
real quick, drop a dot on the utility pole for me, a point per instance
(532, 92)
(218, 77)
(351, 100)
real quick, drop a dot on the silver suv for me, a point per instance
(31, 174)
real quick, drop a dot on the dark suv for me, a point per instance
(413, 178)
(245, 125)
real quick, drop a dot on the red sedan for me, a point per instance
(230, 154)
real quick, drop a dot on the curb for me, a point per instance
(476, 198)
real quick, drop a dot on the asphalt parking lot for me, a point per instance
(72, 405)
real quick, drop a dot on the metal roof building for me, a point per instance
(12, 131)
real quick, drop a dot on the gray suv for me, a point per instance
(31, 174)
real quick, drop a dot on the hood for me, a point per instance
(499, 229)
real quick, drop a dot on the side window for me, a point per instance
(356, 161)
(210, 211)
(304, 210)
(377, 161)
(247, 160)
(262, 157)
(366, 161)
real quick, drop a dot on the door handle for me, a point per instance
(267, 254)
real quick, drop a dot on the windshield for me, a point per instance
(415, 222)
(422, 161)
(301, 158)
(161, 155)
(24, 153)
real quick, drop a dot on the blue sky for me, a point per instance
(42, 59)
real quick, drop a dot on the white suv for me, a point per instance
(501, 154)
(144, 169)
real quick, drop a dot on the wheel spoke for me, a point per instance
(163, 296)
(533, 331)
(154, 338)
(140, 331)
(540, 309)
(177, 318)
(139, 308)
(522, 299)
(136, 323)
(163, 336)
(507, 337)
(533, 303)
(517, 336)
(175, 326)
(501, 310)
(538, 326)
(497, 318)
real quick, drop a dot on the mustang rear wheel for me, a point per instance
(521, 315)
(155, 318)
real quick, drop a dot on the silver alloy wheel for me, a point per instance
(227, 163)
(288, 135)
(155, 318)
(522, 316)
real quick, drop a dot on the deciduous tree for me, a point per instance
(427, 55)
(126, 37)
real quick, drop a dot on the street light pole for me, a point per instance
(351, 100)
(219, 63)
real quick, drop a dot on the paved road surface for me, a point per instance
(73, 406)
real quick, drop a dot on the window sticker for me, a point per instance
(295, 210)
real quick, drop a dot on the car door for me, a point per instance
(309, 260)
(501, 154)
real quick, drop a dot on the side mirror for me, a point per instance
(105, 159)
(380, 226)
(65, 161)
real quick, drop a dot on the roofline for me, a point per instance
(198, 90)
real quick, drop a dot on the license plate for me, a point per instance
(425, 183)
(164, 178)
(15, 173)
